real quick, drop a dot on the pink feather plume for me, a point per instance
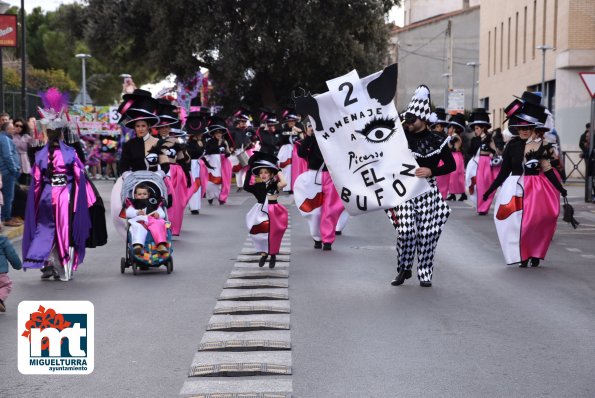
(54, 99)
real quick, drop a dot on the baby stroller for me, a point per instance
(150, 258)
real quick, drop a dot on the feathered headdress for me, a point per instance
(55, 107)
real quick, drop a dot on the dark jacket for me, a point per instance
(8, 255)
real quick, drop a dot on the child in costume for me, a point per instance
(146, 215)
(7, 255)
(267, 220)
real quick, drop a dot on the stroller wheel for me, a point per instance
(122, 265)
(170, 266)
(134, 268)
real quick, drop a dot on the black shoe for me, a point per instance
(338, 233)
(463, 197)
(272, 261)
(2, 306)
(239, 190)
(401, 276)
(210, 201)
(483, 213)
(221, 202)
(327, 246)
(534, 262)
(48, 272)
(263, 259)
(451, 197)
(524, 264)
(194, 212)
(425, 283)
(317, 244)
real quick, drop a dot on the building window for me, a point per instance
(508, 47)
(495, 49)
(501, 45)
(485, 103)
(525, 38)
(516, 40)
(489, 52)
(534, 27)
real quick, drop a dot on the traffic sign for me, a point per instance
(588, 79)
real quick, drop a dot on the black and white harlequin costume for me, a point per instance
(419, 221)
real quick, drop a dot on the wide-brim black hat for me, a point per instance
(457, 120)
(530, 97)
(289, 114)
(214, 124)
(479, 117)
(263, 160)
(441, 116)
(530, 114)
(167, 113)
(196, 123)
(270, 118)
(242, 113)
(140, 100)
(134, 115)
(176, 129)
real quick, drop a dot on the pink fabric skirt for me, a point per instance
(298, 165)
(181, 194)
(278, 219)
(456, 182)
(486, 174)
(541, 207)
(225, 178)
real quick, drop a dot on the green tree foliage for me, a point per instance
(257, 51)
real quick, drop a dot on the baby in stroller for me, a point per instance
(144, 201)
(144, 215)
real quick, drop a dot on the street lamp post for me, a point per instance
(473, 65)
(24, 109)
(84, 57)
(543, 49)
(446, 76)
(4, 6)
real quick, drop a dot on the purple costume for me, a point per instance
(57, 212)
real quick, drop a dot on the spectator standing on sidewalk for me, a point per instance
(22, 140)
(7, 255)
(583, 142)
(10, 170)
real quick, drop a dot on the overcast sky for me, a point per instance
(395, 15)
(47, 5)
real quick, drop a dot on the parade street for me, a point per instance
(482, 330)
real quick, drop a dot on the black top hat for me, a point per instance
(167, 113)
(242, 113)
(441, 115)
(269, 118)
(457, 120)
(479, 117)
(214, 124)
(138, 103)
(196, 123)
(529, 115)
(533, 98)
(289, 114)
(196, 106)
(263, 160)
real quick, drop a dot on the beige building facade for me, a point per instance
(510, 62)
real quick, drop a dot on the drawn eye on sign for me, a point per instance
(362, 141)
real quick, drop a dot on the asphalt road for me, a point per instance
(483, 329)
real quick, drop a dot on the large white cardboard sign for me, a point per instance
(362, 141)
